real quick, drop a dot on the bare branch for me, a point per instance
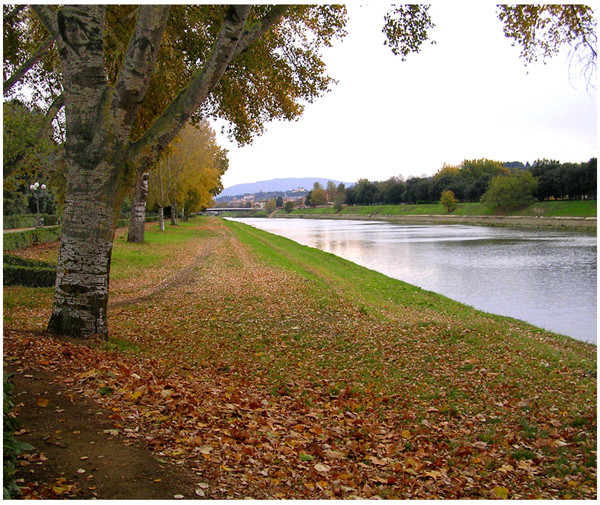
(134, 77)
(23, 69)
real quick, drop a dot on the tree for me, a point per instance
(137, 217)
(242, 64)
(474, 176)
(448, 201)
(364, 191)
(189, 173)
(270, 206)
(510, 192)
(264, 58)
(392, 190)
(318, 195)
(288, 206)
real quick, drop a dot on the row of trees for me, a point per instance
(186, 176)
(470, 180)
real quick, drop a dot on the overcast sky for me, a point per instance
(468, 96)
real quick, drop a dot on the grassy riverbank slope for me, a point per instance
(272, 370)
(580, 208)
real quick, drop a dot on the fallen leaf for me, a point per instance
(320, 467)
(506, 468)
(205, 449)
(42, 402)
(500, 492)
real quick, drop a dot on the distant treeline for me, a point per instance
(469, 181)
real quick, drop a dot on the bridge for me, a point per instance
(218, 210)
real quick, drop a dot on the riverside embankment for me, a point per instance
(268, 369)
(575, 215)
(561, 222)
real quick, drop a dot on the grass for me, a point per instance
(371, 366)
(580, 208)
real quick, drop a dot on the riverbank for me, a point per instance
(567, 223)
(574, 215)
(272, 370)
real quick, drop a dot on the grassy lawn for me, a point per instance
(280, 371)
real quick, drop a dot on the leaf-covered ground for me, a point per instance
(272, 370)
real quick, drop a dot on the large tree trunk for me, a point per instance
(81, 294)
(137, 218)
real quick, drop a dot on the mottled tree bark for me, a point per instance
(137, 218)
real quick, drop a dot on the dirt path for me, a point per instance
(80, 453)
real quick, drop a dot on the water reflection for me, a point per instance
(546, 277)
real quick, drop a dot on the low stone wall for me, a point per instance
(581, 223)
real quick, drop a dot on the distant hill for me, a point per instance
(277, 185)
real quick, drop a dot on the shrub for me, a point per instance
(11, 446)
(23, 239)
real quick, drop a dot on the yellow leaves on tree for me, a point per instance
(189, 174)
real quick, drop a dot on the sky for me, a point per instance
(468, 96)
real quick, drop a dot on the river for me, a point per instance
(544, 277)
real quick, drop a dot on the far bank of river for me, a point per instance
(568, 223)
(545, 277)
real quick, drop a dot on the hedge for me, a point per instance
(27, 272)
(18, 261)
(27, 238)
(28, 221)
(31, 277)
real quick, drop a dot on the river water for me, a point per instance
(545, 277)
